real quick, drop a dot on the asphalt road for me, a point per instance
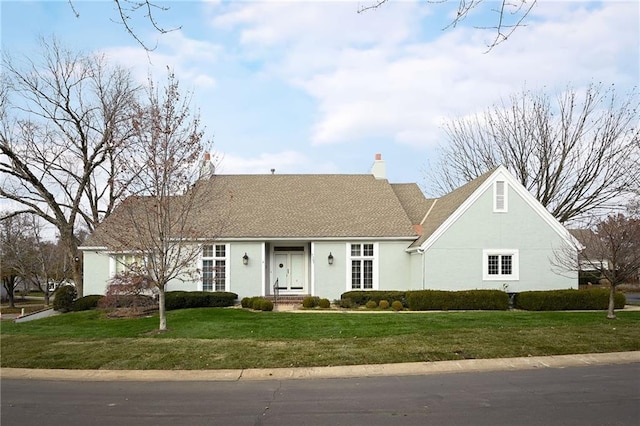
(594, 395)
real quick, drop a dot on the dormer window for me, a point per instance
(500, 196)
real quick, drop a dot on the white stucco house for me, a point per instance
(323, 235)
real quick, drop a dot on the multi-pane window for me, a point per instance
(127, 262)
(362, 258)
(500, 196)
(214, 267)
(500, 264)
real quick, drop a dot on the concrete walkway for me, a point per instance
(406, 369)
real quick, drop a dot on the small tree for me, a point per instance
(156, 221)
(127, 289)
(612, 249)
(17, 255)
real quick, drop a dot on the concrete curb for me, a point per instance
(375, 370)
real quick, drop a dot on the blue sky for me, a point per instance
(315, 87)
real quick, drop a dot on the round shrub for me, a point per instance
(397, 305)
(64, 297)
(324, 303)
(383, 304)
(266, 305)
(256, 303)
(346, 303)
(361, 297)
(310, 302)
(371, 304)
(245, 302)
(86, 303)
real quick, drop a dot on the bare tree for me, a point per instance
(65, 121)
(576, 155)
(28, 257)
(49, 268)
(155, 223)
(612, 251)
(129, 10)
(16, 253)
(509, 15)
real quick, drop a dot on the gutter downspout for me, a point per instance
(424, 267)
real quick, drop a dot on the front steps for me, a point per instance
(287, 301)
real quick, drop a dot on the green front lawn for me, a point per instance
(218, 338)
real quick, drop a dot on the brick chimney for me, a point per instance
(379, 169)
(207, 169)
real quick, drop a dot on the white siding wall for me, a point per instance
(96, 267)
(329, 280)
(395, 266)
(246, 280)
(455, 260)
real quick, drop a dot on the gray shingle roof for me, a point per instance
(296, 206)
(313, 206)
(445, 206)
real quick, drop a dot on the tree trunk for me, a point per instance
(9, 284)
(11, 296)
(77, 272)
(611, 314)
(163, 314)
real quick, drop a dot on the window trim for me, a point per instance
(515, 265)
(505, 196)
(374, 258)
(215, 258)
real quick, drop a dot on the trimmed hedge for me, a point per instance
(567, 300)
(198, 299)
(437, 300)
(86, 303)
(359, 297)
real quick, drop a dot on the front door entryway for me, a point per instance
(289, 270)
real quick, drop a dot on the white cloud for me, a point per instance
(190, 59)
(369, 85)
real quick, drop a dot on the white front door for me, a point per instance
(289, 271)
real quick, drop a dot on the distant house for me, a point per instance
(323, 235)
(590, 262)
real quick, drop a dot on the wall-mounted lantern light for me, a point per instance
(245, 259)
(330, 259)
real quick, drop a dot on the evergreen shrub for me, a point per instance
(383, 304)
(361, 297)
(258, 303)
(198, 299)
(310, 302)
(324, 303)
(567, 300)
(64, 297)
(345, 303)
(439, 300)
(86, 303)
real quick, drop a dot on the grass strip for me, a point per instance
(231, 338)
